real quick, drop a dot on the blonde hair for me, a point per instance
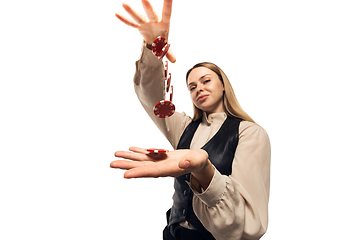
(230, 103)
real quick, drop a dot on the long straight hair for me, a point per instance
(230, 103)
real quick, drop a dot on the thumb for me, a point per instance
(194, 160)
(184, 164)
(170, 55)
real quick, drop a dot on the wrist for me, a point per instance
(148, 46)
(204, 175)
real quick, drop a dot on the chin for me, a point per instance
(202, 108)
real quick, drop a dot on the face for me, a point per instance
(206, 90)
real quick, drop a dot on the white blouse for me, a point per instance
(232, 207)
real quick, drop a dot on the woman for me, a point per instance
(222, 162)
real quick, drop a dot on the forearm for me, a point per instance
(149, 84)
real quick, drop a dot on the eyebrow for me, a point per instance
(192, 83)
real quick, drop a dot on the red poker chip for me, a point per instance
(171, 93)
(164, 51)
(168, 83)
(166, 69)
(164, 109)
(155, 150)
(160, 47)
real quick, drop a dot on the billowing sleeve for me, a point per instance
(149, 84)
(236, 207)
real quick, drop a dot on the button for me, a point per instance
(184, 212)
(186, 192)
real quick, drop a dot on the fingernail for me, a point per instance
(186, 164)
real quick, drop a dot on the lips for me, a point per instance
(202, 98)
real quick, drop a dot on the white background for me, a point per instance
(67, 104)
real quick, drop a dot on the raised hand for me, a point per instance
(150, 27)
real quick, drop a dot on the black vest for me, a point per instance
(221, 150)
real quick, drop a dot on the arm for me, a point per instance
(241, 197)
(149, 77)
(149, 86)
(232, 207)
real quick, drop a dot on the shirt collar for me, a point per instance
(216, 118)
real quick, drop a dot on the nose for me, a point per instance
(199, 89)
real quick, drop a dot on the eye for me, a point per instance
(192, 88)
(206, 81)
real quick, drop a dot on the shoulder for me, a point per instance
(251, 129)
(254, 142)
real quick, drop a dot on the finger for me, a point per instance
(137, 17)
(133, 156)
(184, 164)
(150, 11)
(143, 172)
(127, 21)
(154, 171)
(166, 14)
(170, 56)
(138, 150)
(126, 165)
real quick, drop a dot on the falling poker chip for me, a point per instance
(164, 109)
(171, 93)
(168, 81)
(155, 150)
(166, 69)
(160, 47)
(163, 52)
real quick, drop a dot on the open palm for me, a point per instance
(170, 164)
(150, 27)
